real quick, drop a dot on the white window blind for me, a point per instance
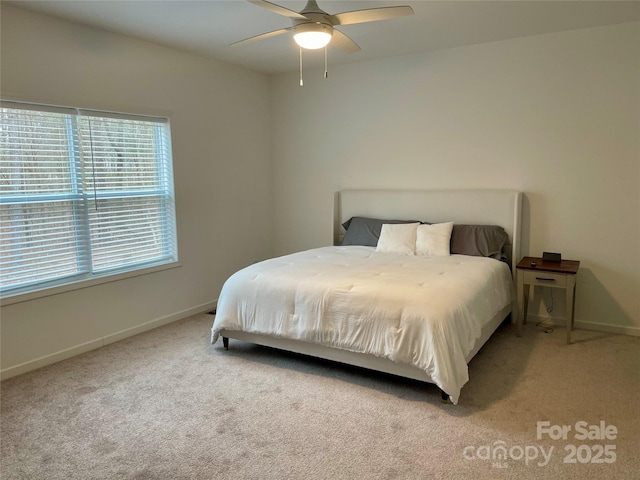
(83, 194)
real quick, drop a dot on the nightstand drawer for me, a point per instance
(545, 278)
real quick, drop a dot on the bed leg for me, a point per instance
(444, 398)
(225, 343)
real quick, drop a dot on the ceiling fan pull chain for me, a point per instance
(301, 82)
(326, 70)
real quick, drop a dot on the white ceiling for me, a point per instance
(209, 26)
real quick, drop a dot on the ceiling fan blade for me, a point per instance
(262, 36)
(344, 43)
(370, 15)
(276, 9)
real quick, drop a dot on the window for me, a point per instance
(83, 195)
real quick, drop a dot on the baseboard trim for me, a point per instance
(591, 326)
(101, 342)
(206, 307)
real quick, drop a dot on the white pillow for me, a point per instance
(434, 240)
(398, 238)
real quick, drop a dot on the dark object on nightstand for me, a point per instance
(551, 257)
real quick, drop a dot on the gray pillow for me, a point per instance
(478, 240)
(366, 231)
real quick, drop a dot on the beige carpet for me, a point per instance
(167, 405)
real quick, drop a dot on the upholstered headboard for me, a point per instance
(479, 207)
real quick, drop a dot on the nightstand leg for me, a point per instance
(527, 291)
(520, 294)
(570, 302)
(573, 307)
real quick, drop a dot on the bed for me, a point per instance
(419, 316)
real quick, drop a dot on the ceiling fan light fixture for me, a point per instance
(312, 36)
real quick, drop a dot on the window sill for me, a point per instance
(46, 292)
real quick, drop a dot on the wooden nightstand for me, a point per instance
(547, 274)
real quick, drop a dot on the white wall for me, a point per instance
(221, 139)
(556, 116)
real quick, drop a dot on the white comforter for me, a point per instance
(422, 311)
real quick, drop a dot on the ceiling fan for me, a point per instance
(313, 28)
